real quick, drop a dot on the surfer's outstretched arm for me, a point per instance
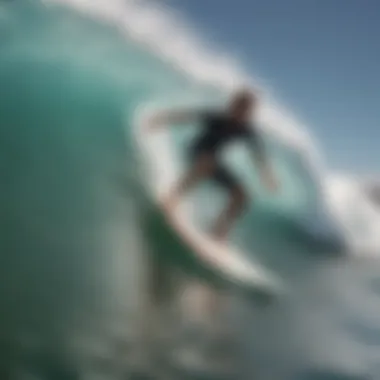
(171, 117)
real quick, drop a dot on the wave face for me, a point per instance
(75, 76)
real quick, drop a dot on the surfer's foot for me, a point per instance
(222, 239)
(219, 235)
(170, 202)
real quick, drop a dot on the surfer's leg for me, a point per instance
(236, 204)
(201, 168)
(214, 301)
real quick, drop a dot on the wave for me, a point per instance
(78, 75)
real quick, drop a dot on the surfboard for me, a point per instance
(161, 171)
(227, 260)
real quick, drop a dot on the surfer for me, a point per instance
(219, 129)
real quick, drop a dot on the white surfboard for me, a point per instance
(161, 171)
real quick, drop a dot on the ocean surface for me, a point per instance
(74, 77)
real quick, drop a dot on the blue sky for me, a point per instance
(321, 58)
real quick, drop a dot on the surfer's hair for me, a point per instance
(244, 95)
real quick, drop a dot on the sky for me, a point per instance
(320, 58)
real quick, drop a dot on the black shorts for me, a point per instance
(221, 175)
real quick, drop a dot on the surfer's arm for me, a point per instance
(261, 159)
(172, 117)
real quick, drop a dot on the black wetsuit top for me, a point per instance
(219, 130)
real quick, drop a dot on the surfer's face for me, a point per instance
(242, 106)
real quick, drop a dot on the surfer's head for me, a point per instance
(242, 104)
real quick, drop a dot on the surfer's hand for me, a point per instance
(154, 122)
(162, 119)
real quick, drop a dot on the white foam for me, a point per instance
(172, 39)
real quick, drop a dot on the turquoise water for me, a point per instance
(73, 218)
